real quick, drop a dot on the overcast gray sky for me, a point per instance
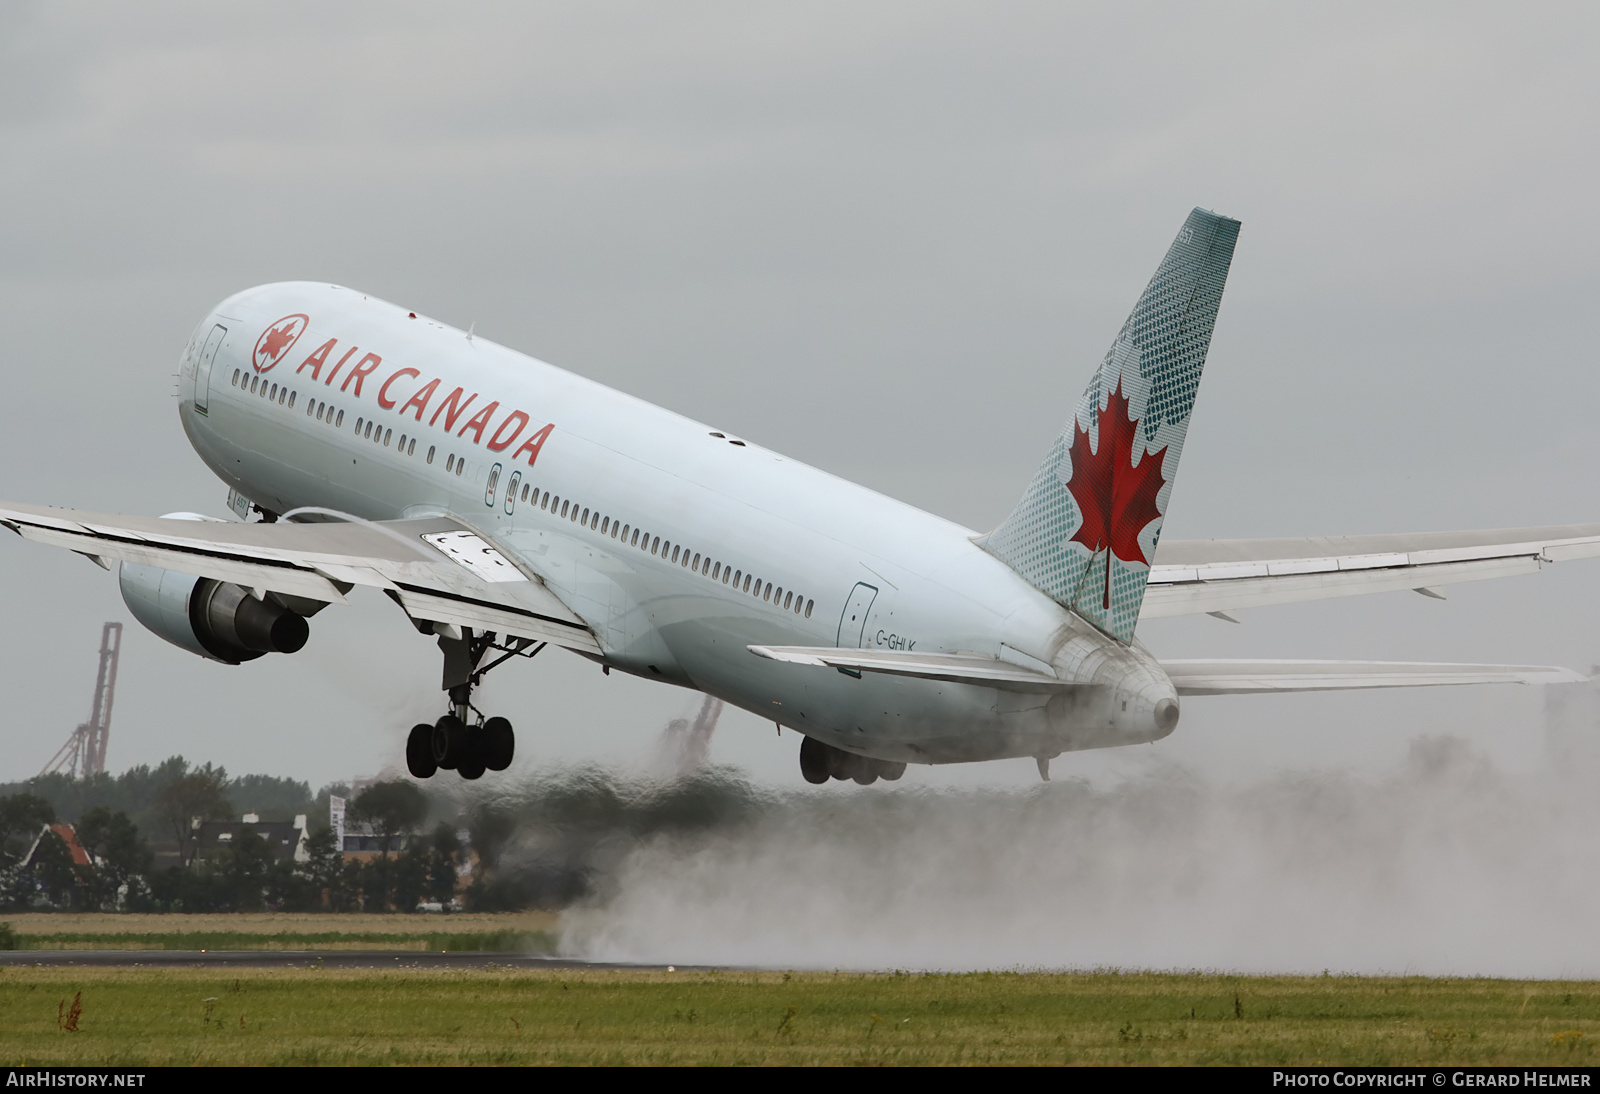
(891, 240)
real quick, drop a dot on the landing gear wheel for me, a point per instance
(844, 765)
(499, 744)
(471, 765)
(449, 734)
(419, 752)
(814, 760)
(865, 773)
(890, 771)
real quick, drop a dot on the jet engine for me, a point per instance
(214, 619)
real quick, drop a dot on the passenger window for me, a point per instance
(544, 502)
(726, 574)
(388, 434)
(746, 582)
(430, 452)
(292, 394)
(524, 491)
(654, 543)
(461, 465)
(808, 608)
(235, 377)
(563, 508)
(606, 527)
(674, 553)
(368, 434)
(311, 408)
(253, 381)
(696, 564)
(339, 421)
(636, 538)
(768, 594)
(358, 424)
(411, 449)
(716, 571)
(402, 442)
(450, 463)
(788, 598)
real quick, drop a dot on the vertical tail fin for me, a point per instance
(1086, 530)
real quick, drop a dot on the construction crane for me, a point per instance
(84, 754)
(685, 747)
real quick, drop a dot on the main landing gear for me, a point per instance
(820, 762)
(464, 740)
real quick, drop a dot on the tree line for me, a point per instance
(245, 875)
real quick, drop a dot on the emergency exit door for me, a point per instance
(202, 373)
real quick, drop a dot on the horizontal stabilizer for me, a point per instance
(955, 668)
(1212, 575)
(1255, 677)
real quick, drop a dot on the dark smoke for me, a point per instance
(1447, 865)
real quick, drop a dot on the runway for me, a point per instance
(324, 959)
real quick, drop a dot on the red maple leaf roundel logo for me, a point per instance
(276, 340)
(1117, 499)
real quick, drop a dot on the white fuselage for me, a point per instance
(583, 502)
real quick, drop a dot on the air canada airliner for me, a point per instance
(505, 505)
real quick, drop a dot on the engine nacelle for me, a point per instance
(214, 619)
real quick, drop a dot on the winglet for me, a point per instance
(1086, 529)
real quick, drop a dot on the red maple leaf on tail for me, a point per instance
(1117, 499)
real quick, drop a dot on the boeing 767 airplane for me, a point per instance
(505, 505)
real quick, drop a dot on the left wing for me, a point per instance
(1229, 677)
(440, 570)
(1194, 576)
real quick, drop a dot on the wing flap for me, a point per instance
(480, 616)
(1234, 677)
(955, 668)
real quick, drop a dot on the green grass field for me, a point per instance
(130, 1017)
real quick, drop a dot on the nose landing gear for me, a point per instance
(464, 740)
